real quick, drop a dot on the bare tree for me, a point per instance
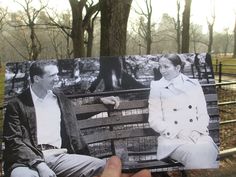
(178, 28)
(186, 24)
(145, 25)
(19, 38)
(90, 30)
(196, 37)
(234, 53)
(28, 19)
(227, 39)
(166, 35)
(79, 24)
(3, 14)
(211, 31)
(63, 22)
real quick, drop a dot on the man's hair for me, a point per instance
(37, 68)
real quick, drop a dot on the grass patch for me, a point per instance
(228, 64)
(224, 60)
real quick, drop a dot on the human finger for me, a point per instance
(112, 168)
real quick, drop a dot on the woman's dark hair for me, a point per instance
(175, 60)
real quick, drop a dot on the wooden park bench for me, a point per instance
(125, 131)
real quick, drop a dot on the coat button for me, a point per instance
(168, 134)
(190, 106)
(176, 122)
(174, 109)
(190, 120)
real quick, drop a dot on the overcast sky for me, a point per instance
(225, 10)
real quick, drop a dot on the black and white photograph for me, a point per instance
(67, 117)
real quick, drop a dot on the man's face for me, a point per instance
(49, 79)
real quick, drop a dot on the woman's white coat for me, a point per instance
(177, 106)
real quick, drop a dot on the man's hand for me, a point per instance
(44, 170)
(112, 100)
(113, 169)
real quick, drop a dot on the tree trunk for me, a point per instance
(35, 44)
(77, 33)
(68, 52)
(227, 40)
(114, 18)
(90, 41)
(186, 24)
(234, 55)
(178, 28)
(210, 28)
(149, 32)
(90, 30)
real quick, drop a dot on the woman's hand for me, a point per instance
(189, 135)
(184, 135)
(195, 135)
(113, 169)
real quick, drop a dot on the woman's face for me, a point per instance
(168, 70)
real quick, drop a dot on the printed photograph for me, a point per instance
(68, 116)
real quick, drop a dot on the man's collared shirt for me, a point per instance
(48, 118)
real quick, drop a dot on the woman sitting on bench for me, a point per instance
(177, 110)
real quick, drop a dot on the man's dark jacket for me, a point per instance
(20, 132)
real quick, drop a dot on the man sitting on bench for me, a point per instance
(41, 134)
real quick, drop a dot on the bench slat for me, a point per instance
(94, 108)
(136, 104)
(123, 120)
(211, 97)
(214, 126)
(213, 111)
(121, 134)
(131, 133)
(115, 120)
